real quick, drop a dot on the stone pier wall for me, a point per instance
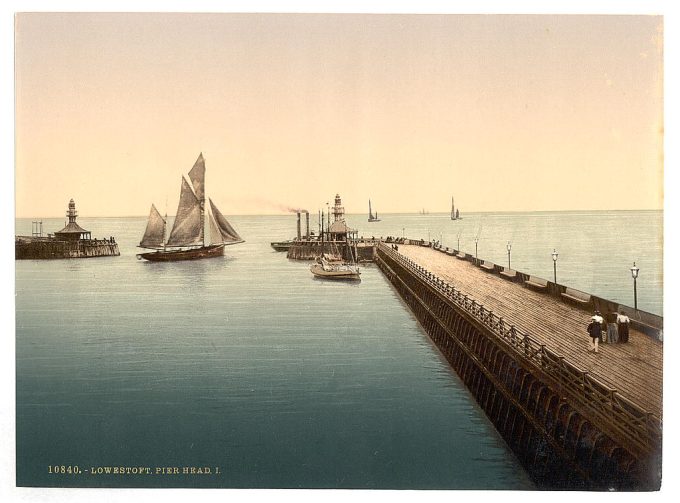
(53, 249)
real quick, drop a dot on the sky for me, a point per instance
(501, 112)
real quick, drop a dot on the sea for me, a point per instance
(245, 371)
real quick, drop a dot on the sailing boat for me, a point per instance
(371, 216)
(455, 214)
(187, 237)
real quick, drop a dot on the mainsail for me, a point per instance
(222, 227)
(187, 229)
(155, 230)
(197, 177)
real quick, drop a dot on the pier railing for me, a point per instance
(641, 428)
(648, 323)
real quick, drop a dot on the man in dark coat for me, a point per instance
(624, 322)
(595, 331)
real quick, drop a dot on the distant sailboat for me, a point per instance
(455, 214)
(187, 237)
(371, 216)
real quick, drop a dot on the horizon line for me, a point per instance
(364, 213)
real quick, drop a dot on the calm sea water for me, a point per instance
(248, 364)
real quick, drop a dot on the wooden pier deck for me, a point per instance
(634, 369)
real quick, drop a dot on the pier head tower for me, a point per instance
(72, 231)
(338, 230)
(338, 210)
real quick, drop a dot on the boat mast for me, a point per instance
(197, 177)
(165, 222)
(202, 203)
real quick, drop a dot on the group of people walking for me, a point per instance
(614, 330)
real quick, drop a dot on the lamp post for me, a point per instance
(476, 241)
(509, 247)
(403, 230)
(635, 270)
(458, 243)
(554, 257)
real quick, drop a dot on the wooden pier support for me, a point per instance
(568, 430)
(48, 248)
(311, 249)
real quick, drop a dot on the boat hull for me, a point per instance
(281, 246)
(175, 255)
(374, 220)
(345, 274)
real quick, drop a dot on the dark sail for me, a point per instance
(229, 235)
(215, 234)
(155, 230)
(197, 177)
(187, 229)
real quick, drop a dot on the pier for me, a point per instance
(575, 419)
(337, 239)
(29, 247)
(634, 368)
(70, 242)
(356, 251)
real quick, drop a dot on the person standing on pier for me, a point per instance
(595, 331)
(623, 322)
(612, 328)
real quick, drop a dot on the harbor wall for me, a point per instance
(49, 248)
(569, 430)
(310, 250)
